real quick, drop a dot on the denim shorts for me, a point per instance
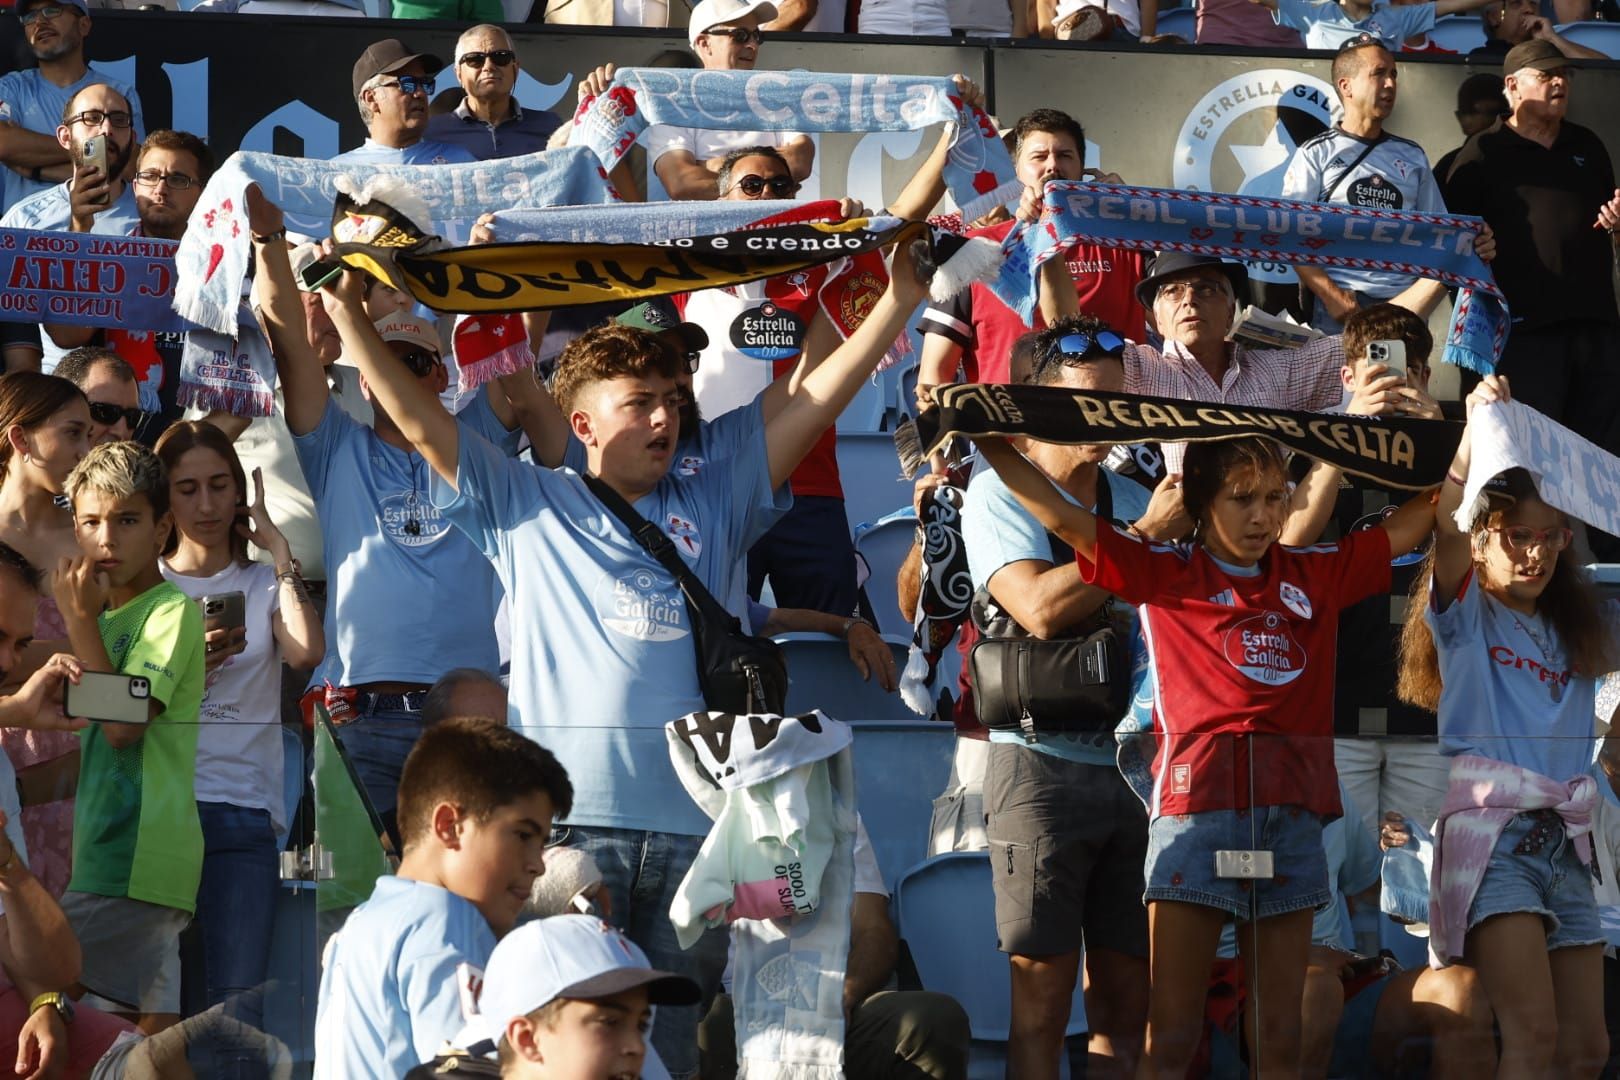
(1181, 860)
(1534, 868)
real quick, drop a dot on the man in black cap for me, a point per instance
(393, 87)
(1479, 105)
(1547, 187)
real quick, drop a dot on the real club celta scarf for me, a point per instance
(1438, 246)
(1402, 453)
(1572, 474)
(637, 252)
(215, 254)
(799, 101)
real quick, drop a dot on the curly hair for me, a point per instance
(611, 351)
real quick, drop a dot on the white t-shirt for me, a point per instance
(906, 18)
(726, 378)
(239, 754)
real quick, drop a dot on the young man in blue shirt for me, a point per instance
(393, 87)
(602, 645)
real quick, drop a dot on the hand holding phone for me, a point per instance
(95, 157)
(123, 699)
(1390, 352)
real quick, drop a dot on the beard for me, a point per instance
(690, 416)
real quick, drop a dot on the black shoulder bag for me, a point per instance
(1075, 684)
(739, 673)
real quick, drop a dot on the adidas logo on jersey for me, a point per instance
(1226, 598)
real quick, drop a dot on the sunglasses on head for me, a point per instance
(420, 361)
(500, 58)
(1081, 344)
(738, 35)
(107, 414)
(779, 186)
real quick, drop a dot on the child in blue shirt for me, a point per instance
(1330, 24)
(402, 977)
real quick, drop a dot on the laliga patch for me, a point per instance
(768, 333)
(685, 535)
(1295, 600)
(1375, 192)
(1264, 649)
(469, 987)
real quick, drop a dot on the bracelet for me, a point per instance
(279, 234)
(1455, 479)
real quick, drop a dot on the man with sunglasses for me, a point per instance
(725, 35)
(1547, 186)
(32, 99)
(110, 385)
(170, 172)
(393, 88)
(489, 122)
(1358, 163)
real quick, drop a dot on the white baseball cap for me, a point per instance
(565, 956)
(714, 12)
(401, 326)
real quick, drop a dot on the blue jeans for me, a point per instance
(641, 871)
(377, 744)
(236, 905)
(1534, 868)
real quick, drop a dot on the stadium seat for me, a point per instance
(820, 676)
(870, 473)
(1459, 33)
(1183, 21)
(946, 910)
(1602, 36)
(865, 411)
(1607, 577)
(885, 546)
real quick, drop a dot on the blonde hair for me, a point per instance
(121, 470)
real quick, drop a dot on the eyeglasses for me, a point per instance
(107, 414)
(1521, 537)
(49, 12)
(412, 84)
(500, 58)
(1177, 291)
(1567, 74)
(94, 118)
(780, 186)
(420, 361)
(177, 180)
(738, 35)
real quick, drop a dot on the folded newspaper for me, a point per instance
(1267, 331)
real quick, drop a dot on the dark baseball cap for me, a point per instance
(389, 55)
(1168, 264)
(1535, 53)
(659, 317)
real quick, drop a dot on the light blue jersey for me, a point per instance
(400, 979)
(997, 530)
(426, 152)
(411, 598)
(29, 100)
(1324, 25)
(602, 649)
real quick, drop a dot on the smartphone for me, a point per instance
(223, 611)
(315, 274)
(100, 696)
(95, 155)
(1390, 353)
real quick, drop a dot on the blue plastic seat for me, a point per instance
(1602, 36)
(865, 412)
(821, 676)
(885, 546)
(1459, 33)
(946, 909)
(1182, 21)
(870, 473)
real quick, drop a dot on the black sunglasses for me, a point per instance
(420, 361)
(692, 359)
(738, 34)
(107, 414)
(500, 58)
(780, 186)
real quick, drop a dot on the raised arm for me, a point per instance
(1453, 551)
(414, 409)
(1074, 525)
(281, 307)
(927, 185)
(1410, 525)
(824, 392)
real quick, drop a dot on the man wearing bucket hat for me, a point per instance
(725, 35)
(393, 87)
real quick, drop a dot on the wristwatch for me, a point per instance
(56, 1000)
(849, 624)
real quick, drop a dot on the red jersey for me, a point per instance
(1242, 665)
(1104, 282)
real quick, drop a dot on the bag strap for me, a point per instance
(1327, 192)
(660, 547)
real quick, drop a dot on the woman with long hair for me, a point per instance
(1507, 644)
(46, 426)
(257, 616)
